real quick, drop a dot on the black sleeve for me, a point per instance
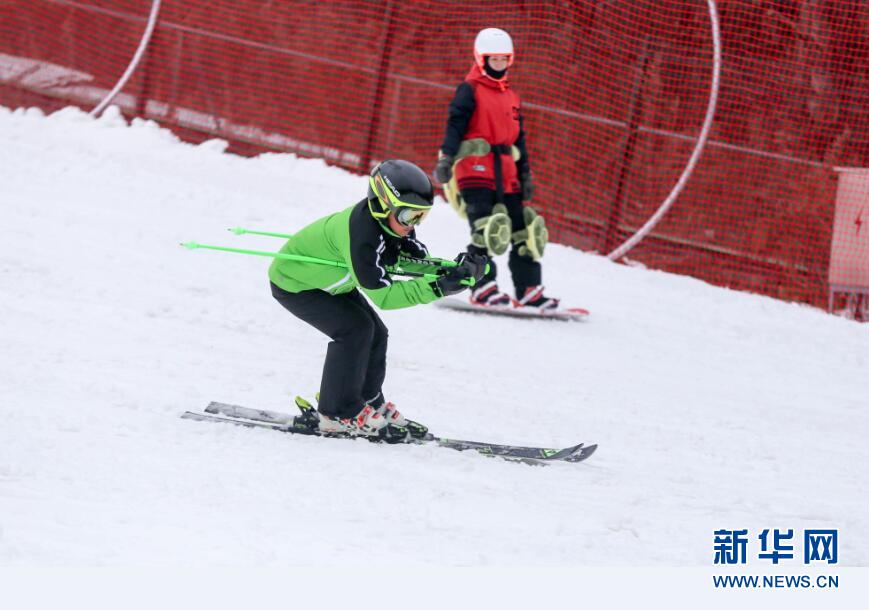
(461, 109)
(522, 165)
(367, 248)
(411, 246)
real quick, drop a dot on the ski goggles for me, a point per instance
(410, 217)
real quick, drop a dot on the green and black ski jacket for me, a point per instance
(355, 238)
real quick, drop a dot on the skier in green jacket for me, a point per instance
(368, 238)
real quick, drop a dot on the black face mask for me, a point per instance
(496, 74)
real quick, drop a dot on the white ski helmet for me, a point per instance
(492, 41)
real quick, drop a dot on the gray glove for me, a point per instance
(444, 169)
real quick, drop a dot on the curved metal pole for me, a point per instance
(143, 44)
(698, 149)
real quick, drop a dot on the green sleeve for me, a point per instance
(402, 294)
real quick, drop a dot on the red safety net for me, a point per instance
(614, 96)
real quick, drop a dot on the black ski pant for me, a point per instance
(356, 357)
(525, 270)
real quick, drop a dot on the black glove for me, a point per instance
(451, 281)
(444, 169)
(527, 185)
(469, 266)
(475, 263)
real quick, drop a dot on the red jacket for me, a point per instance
(488, 109)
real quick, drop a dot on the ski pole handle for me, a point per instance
(431, 262)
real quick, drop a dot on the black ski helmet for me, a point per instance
(402, 188)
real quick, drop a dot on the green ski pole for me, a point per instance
(242, 231)
(434, 262)
(192, 245)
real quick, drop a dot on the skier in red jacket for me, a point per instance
(483, 166)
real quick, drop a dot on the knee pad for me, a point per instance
(493, 232)
(532, 240)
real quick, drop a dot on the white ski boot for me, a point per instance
(368, 423)
(395, 419)
(392, 415)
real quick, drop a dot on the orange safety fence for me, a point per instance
(614, 95)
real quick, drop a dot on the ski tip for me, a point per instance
(237, 230)
(582, 454)
(190, 245)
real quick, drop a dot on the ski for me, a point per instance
(575, 314)
(238, 422)
(246, 412)
(302, 425)
(283, 422)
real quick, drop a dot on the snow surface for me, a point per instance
(713, 408)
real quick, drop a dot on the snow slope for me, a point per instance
(713, 409)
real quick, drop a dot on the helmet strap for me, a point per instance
(384, 224)
(385, 227)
